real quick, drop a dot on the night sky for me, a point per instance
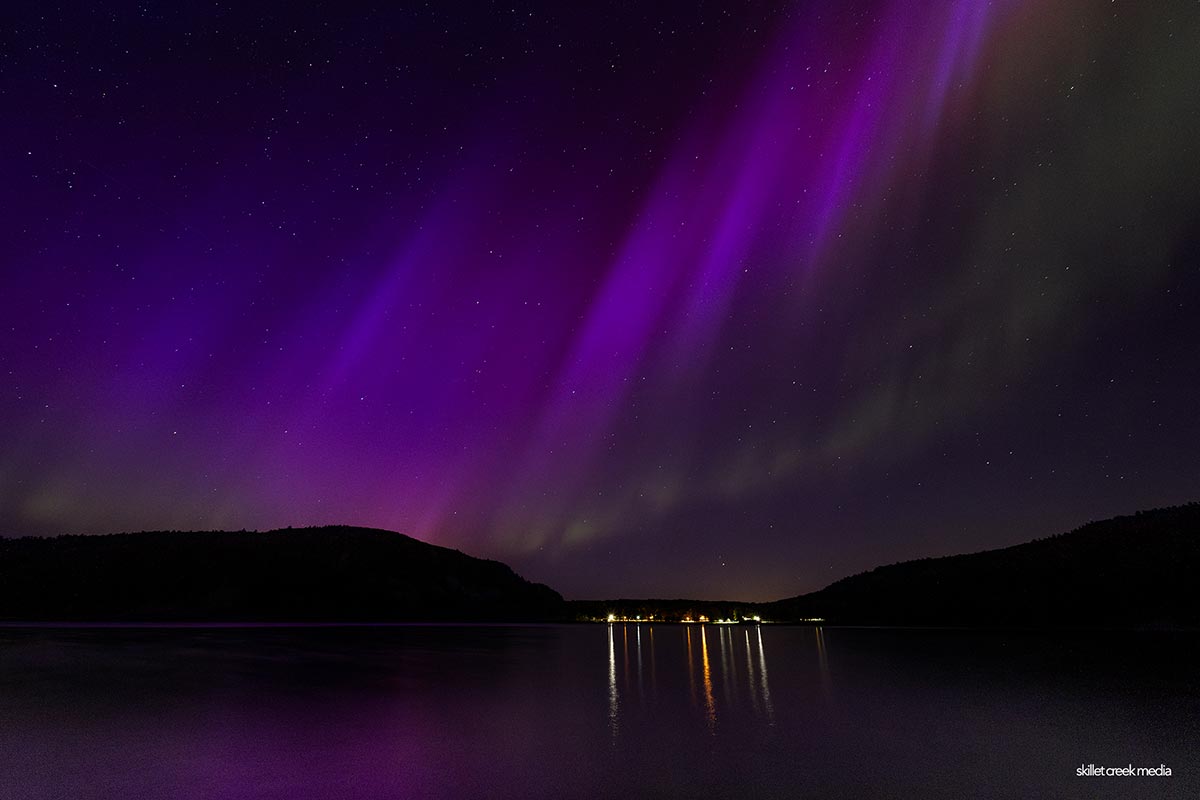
(644, 299)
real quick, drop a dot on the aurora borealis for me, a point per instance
(658, 299)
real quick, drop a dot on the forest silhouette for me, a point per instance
(1127, 571)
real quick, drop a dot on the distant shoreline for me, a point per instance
(1127, 573)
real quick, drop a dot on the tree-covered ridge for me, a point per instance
(309, 574)
(1132, 570)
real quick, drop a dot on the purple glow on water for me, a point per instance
(587, 711)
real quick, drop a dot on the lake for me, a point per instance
(584, 711)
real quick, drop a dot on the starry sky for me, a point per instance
(645, 299)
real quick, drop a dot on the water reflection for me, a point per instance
(612, 683)
(721, 671)
(639, 660)
(823, 663)
(691, 661)
(750, 674)
(653, 661)
(766, 689)
(625, 650)
(726, 671)
(527, 712)
(710, 708)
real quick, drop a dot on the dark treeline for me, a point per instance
(309, 574)
(1128, 571)
(1138, 570)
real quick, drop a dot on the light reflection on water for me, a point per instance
(709, 707)
(378, 713)
(730, 648)
(613, 720)
(766, 688)
(691, 664)
(823, 663)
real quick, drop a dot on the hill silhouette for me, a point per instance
(304, 574)
(1133, 571)
(1138, 570)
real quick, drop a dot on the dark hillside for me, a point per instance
(1138, 570)
(310, 574)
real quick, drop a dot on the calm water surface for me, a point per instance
(593, 711)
